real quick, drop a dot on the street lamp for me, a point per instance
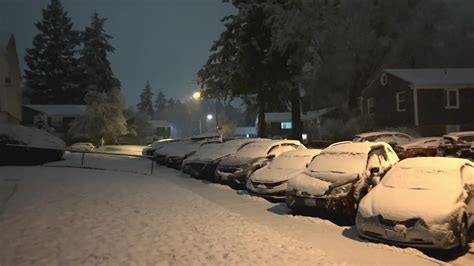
(197, 95)
(209, 117)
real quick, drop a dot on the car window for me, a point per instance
(401, 139)
(467, 139)
(288, 147)
(275, 150)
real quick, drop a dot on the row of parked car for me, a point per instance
(425, 201)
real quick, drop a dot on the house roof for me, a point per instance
(58, 109)
(436, 77)
(5, 38)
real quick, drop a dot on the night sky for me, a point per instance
(163, 41)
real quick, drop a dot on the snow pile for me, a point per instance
(16, 134)
(105, 162)
(425, 188)
(69, 217)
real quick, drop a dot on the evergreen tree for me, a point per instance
(160, 103)
(51, 65)
(96, 70)
(145, 105)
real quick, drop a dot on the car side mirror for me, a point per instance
(271, 156)
(374, 170)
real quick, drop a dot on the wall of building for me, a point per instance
(10, 84)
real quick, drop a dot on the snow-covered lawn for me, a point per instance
(70, 216)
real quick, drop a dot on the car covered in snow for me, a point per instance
(421, 202)
(339, 177)
(271, 181)
(421, 147)
(150, 149)
(457, 144)
(203, 151)
(82, 146)
(181, 151)
(235, 169)
(391, 137)
(204, 162)
(20, 145)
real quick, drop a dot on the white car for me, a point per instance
(421, 202)
(271, 180)
(235, 169)
(82, 146)
(339, 177)
(391, 137)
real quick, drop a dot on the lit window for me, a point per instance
(286, 125)
(401, 101)
(451, 98)
(370, 106)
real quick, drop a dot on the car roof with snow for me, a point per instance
(437, 163)
(375, 133)
(459, 134)
(421, 141)
(353, 147)
(302, 152)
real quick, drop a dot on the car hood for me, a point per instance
(237, 161)
(270, 175)
(318, 184)
(404, 204)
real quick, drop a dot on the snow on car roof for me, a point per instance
(421, 141)
(352, 147)
(435, 163)
(375, 133)
(302, 152)
(30, 136)
(459, 134)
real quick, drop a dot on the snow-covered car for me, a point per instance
(457, 144)
(36, 146)
(421, 202)
(203, 151)
(150, 149)
(235, 169)
(391, 137)
(175, 157)
(82, 146)
(421, 147)
(203, 164)
(271, 181)
(339, 177)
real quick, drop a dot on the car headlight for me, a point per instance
(341, 190)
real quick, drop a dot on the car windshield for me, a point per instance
(206, 148)
(253, 150)
(422, 178)
(339, 162)
(287, 161)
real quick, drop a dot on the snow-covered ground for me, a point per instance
(68, 216)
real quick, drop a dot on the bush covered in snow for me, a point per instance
(43, 142)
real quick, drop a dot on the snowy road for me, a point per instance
(69, 216)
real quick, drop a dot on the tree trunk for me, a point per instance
(261, 126)
(297, 125)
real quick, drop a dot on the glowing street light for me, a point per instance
(209, 117)
(197, 95)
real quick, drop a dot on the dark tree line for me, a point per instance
(308, 54)
(65, 64)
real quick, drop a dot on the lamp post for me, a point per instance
(197, 96)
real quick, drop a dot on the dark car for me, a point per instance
(457, 144)
(203, 163)
(235, 169)
(421, 147)
(339, 177)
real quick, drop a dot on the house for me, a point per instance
(279, 123)
(10, 80)
(161, 129)
(430, 101)
(58, 117)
